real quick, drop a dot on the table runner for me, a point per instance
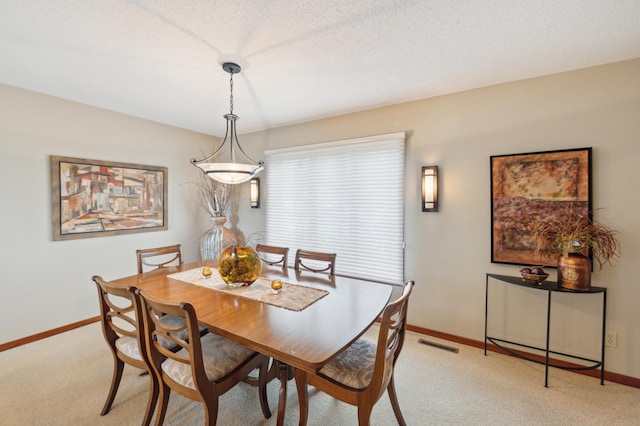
(294, 297)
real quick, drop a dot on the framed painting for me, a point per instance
(92, 198)
(526, 189)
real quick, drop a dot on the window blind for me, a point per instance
(343, 197)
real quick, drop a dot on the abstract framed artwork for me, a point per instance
(529, 188)
(92, 198)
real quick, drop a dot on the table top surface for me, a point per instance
(304, 339)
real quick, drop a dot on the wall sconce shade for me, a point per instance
(430, 188)
(255, 193)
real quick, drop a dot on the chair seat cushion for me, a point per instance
(129, 346)
(220, 357)
(354, 366)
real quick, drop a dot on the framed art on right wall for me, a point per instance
(529, 188)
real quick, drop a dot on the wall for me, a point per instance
(45, 283)
(448, 253)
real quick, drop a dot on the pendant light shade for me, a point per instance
(232, 171)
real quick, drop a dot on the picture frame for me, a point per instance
(529, 187)
(94, 198)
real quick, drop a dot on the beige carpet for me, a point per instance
(63, 380)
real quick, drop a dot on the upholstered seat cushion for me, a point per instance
(354, 366)
(129, 346)
(220, 356)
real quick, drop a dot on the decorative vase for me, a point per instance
(216, 239)
(574, 272)
(239, 266)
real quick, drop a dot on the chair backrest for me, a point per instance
(361, 374)
(273, 255)
(186, 371)
(390, 338)
(118, 315)
(158, 333)
(165, 256)
(315, 261)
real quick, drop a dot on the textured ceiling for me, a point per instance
(159, 59)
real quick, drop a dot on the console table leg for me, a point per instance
(546, 358)
(486, 311)
(604, 327)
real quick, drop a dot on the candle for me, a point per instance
(276, 286)
(206, 272)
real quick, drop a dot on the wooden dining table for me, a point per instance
(305, 339)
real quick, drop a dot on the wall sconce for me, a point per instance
(430, 188)
(255, 193)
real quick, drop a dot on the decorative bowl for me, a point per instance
(529, 276)
(535, 277)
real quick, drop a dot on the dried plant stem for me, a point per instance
(214, 196)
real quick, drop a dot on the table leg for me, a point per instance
(303, 396)
(285, 372)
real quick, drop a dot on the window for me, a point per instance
(342, 197)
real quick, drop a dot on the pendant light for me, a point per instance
(231, 172)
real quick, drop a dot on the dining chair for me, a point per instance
(205, 367)
(315, 261)
(165, 256)
(267, 254)
(360, 374)
(124, 334)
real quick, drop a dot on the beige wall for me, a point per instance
(448, 253)
(45, 283)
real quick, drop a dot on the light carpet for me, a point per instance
(64, 379)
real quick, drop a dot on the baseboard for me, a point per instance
(612, 377)
(45, 334)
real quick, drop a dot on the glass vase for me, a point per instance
(239, 265)
(216, 239)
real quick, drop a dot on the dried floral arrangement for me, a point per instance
(215, 196)
(575, 232)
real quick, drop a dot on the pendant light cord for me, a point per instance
(231, 95)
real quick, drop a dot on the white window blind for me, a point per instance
(343, 197)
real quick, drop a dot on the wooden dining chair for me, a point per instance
(361, 373)
(273, 255)
(125, 337)
(205, 367)
(315, 261)
(164, 256)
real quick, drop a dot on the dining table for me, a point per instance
(308, 323)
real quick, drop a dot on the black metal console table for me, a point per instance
(550, 287)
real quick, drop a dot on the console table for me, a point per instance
(550, 287)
